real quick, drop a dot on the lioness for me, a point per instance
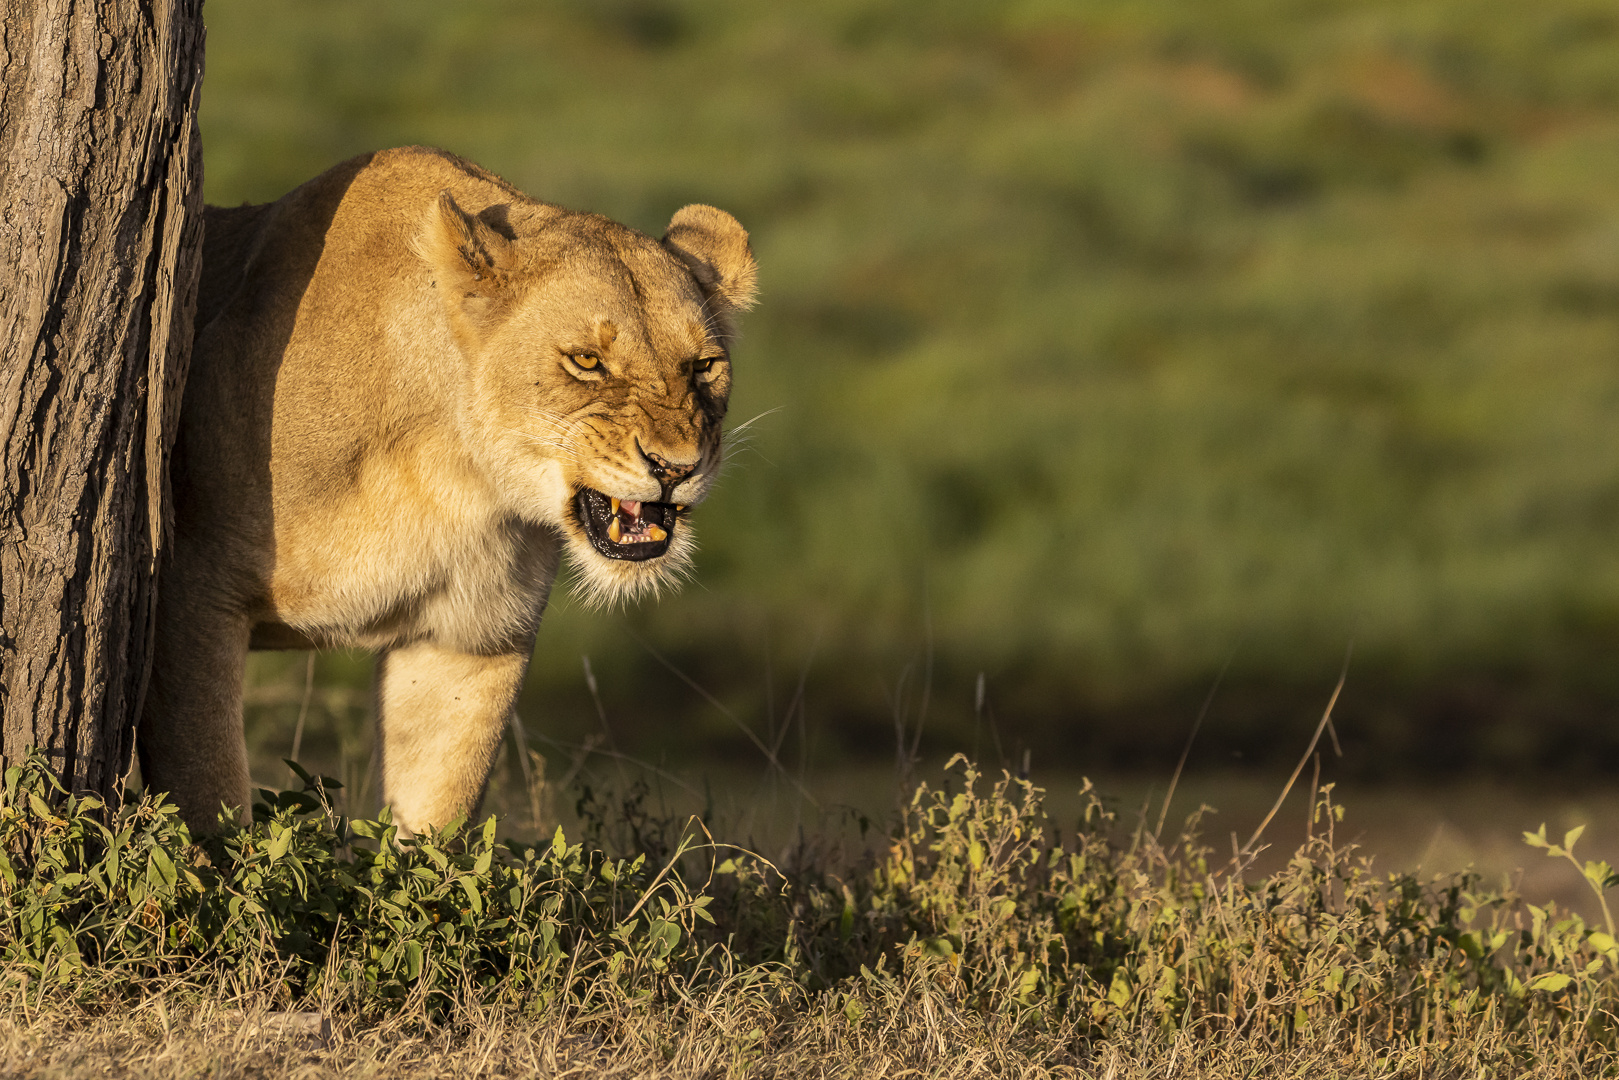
(412, 389)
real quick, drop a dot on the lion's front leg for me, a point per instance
(440, 718)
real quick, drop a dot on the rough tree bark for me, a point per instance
(100, 247)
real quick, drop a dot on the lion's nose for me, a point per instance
(668, 473)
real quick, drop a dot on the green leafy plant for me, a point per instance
(325, 903)
(1597, 874)
(977, 904)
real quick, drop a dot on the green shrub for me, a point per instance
(977, 902)
(307, 898)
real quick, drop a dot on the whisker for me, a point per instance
(740, 428)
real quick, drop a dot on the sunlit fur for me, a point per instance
(383, 434)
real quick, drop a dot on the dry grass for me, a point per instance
(930, 1038)
(977, 940)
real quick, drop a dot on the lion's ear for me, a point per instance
(465, 254)
(714, 247)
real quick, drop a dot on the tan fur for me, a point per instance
(382, 437)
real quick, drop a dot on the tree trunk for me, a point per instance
(100, 247)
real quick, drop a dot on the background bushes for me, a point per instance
(1107, 343)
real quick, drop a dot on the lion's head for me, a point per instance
(597, 371)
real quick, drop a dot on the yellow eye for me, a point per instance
(585, 362)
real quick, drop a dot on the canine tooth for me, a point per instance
(613, 531)
(655, 533)
(680, 508)
(615, 506)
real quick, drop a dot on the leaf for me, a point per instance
(160, 872)
(413, 959)
(1551, 982)
(665, 936)
(1536, 839)
(1572, 837)
(699, 908)
(279, 843)
(1027, 983)
(1120, 990)
(1602, 942)
(473, 899)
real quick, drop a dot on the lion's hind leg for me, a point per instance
(190, 742)
(441, 714)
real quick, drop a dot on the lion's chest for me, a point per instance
(396, 562)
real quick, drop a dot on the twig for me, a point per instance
(727, 713)
(1326, 718)
(592, 745)
(521, 738)
(796, 704)
(902, 763)
(303, 709)
(1197, 725)
(1309, 810)
(927, 677)
(680, 850)
(601, 710)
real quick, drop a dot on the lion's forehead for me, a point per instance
(614, 259)
(642, 343)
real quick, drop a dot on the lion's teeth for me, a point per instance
(655, 533)
(613, 531)
(615, 506)
(680, 508)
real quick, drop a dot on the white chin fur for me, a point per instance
(600, 582)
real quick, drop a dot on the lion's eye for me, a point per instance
(585, 361)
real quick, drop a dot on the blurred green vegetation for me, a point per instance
(1108, 342)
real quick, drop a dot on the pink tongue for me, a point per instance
(630, 507)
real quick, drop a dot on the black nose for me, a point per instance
(665, 471)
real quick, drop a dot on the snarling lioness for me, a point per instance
(413, 388)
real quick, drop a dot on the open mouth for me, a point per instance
(625, 528)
